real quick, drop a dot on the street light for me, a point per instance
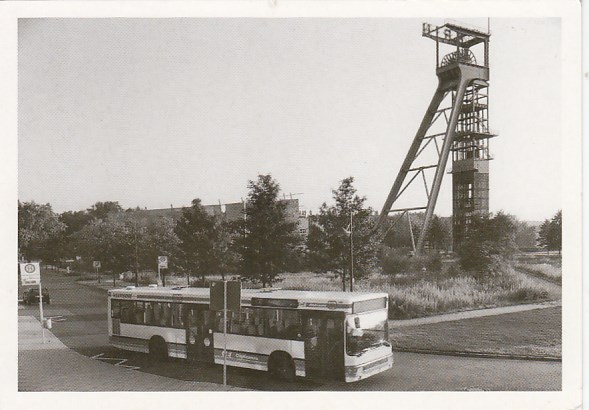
(350, 230)
(351, 251)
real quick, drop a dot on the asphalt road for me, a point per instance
(83, 328)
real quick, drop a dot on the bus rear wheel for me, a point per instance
(158, 349)
(281, 366)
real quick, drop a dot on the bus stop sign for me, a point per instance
(30, 273)
(233, 295)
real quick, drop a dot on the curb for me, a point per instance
(480, 355)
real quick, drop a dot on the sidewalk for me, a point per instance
(51, 366)
(469, 314)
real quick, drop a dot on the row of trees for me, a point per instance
(258, 247)
(266, 242)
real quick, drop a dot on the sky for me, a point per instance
(157, 112)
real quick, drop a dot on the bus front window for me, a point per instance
(366, 331)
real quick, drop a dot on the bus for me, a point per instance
(288, 333)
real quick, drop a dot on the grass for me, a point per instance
(530, 333)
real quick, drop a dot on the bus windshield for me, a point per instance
(366, 331)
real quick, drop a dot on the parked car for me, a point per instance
(32, 296)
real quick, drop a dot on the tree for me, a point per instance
(489, 244)
(329, 244)
(438, 234)
(556, 232)
(525, 236)
(100, 210)
(267, 238)
(74, 221)
(550, 233)
(158, 238)
(201, 241)
(126, 241)
(109, 241)
(37, 226)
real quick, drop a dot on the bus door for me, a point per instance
(199, 334)
(323, 333)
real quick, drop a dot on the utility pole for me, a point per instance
(136, 258)
(351, 250)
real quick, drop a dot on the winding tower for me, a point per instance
(456, 122)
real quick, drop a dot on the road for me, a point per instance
(85, 331)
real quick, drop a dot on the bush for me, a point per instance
(393, 262)
(146, 279)
(434, 263)
(528, 294)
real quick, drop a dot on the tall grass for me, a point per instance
(423, 295)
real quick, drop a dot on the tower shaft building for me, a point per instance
(457, 122)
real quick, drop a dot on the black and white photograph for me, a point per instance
(242, 204)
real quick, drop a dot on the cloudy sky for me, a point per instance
(153, 112)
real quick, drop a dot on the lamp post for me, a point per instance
(136, 258)
(351, 250)
(350, 230)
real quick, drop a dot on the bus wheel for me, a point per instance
(158, 348)
(281, 365)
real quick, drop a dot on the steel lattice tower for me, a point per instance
(456, 121)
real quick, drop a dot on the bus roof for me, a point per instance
(256, 297)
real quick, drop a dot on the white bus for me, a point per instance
(319, 335)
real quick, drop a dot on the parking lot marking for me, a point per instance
(117, 361)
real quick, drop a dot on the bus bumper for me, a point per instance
(359, 372)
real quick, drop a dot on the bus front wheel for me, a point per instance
(281, 365)
(158, 348)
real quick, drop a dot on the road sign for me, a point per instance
(30, 273)
(162, 262)
(233, 295)
(96, 264)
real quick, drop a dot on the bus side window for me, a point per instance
(167, 315)
(149, 313)
(126, 311)
(115, 309)
(219, 322)
(139, 313)
(192, 317)
(292, 324)
(157, 313)
(272, 323)
(178, 317)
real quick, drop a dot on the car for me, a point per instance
(32, 296)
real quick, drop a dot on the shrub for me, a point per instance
(146, 279)
(528, 294)
(434, 263)
(394, 262)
